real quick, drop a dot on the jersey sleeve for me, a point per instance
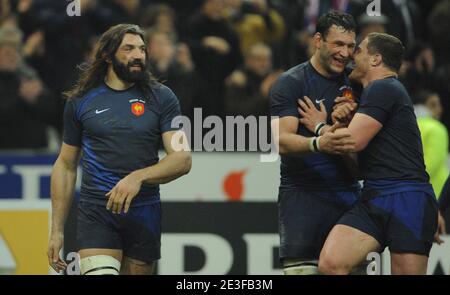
(72, 126)
(283, 98)
(378, 101)
(170, 109)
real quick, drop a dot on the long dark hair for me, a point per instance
(92, 74)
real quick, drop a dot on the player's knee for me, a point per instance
(300, 267)
(132, 266)
(99, 265)
(360, 270)
(411, 267)
(331, 266)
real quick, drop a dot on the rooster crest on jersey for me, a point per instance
(137, 108)
(347, 92)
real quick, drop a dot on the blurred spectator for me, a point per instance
(302, 16)
(247, 89)
(428, 110)
(9, 19)
(183, 11)
(165, 57)
(91, 49)
(172, 65)
(439, 25)
(5, 9)
(294, 47)
(25, 104)
(160, 18)
(314, 9)
(121, 11)
(371, 24)
(56, 42)
(405, 18)
(443, 88)
(418, 68)
(215, 51)
(256, 22)
(35, 45)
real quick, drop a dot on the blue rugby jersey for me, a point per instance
(393, 160)
(119, 132)
(320, 171)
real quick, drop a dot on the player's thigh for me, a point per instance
(132, 266)
(305, 219)
(345, 248)
(412, 223)
(411, 231)
(140, 230)
(97, 228)
(408, 264)
(98, 239)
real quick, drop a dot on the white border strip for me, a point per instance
(25, 205)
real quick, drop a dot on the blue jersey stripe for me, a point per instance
(91, 95)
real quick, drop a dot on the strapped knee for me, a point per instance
(300, 267)
(99, 265)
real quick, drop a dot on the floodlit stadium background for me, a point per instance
(222, 217)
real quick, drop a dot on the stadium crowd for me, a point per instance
(219, 55)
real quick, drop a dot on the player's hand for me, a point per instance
(311, 116)
(342, 100)
(337, 141)
(441, 229)
(343, 110)
(123, 193)
(54, 246)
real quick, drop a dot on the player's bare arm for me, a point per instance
(290, 143)
(171, 167)
(314, 120)
(174, 165)
(63, 180)
(362, 129)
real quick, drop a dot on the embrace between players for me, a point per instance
(328, 224)
(117, 116)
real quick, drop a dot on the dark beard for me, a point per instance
(125, 74)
